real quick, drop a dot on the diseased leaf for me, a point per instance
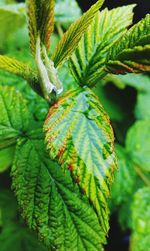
(88, 61)
(138, 144)
(132, 52)
(41, 21)
(71, 38)
(15, 117)
(6, 158)
(140, 240)
(80, 138)
(50, 203)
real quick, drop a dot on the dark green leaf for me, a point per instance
(50, 203)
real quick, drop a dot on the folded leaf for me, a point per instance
(50, 203)
(71, 38)
(87, 63)
(41, 21)
(138, 144)
(132, 52)
(80, 138)
(140, 240)
(6, 158)
(15, 117)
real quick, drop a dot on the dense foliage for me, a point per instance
(56, 139)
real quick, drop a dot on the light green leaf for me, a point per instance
(15, 117)
(51, 204)
(11, 19)
(132, 52)
(71, 38)
(140, 82)
(87, 63)
(66, 12)
(18, 68)
(124, 180)
(41, 21)
(80, 138)
(143, 102)
(6, 158)
(140, 240)
(138, 144)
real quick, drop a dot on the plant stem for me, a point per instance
(142, 176)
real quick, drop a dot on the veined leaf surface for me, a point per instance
(14, 116)
(41, 21)
(71, 38)
(87, 63)
(79, 136)
(51, 204)
(132, 52)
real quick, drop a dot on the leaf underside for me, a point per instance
(71, 38)
(80, 138)
(87, 63)
(132, 53)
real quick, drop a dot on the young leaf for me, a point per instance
(87, 63)
(15, 117)
(132, 52)
(41, 21)
(143, 102)
(71, 38)
(80, 138)
(140, 240)
(138, 144)
(50, 203)
(6, 158)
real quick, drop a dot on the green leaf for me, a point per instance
(66, 12)
(41, 21)
(15, 117)
(140, 240)
(11, 19)
(80, 138)
(71, 38)
(51, 204)
(143, 102)
(14, 235)
(140, 82)
(132, 52)
(138, 144)
(87, 63)
(6, 158)
(124, 180)
(18, 68)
